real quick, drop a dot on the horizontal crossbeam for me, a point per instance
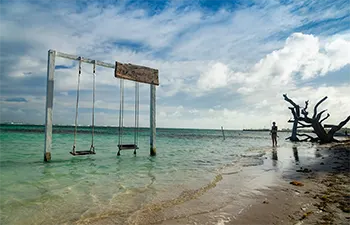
(124, 71)
(83, 59)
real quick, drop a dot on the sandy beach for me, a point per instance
(323, 198)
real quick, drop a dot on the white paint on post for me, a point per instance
(153, 121)
(49, 104)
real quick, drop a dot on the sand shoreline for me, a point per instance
(323, 198)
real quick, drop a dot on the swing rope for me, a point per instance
(137, 106)
(121, 119)
(76, 108)
(121, 112)
(92, 147)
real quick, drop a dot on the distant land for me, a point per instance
(341, 132)
(264, 129)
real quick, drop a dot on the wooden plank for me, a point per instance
(136, 73)
(127, 146)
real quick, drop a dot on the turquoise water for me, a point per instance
(84, 189)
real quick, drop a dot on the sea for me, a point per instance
(194, 176)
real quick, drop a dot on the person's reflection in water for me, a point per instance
(274, 157)
(296, 156)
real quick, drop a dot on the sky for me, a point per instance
(221, 63)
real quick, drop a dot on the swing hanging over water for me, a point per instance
(92, 147)
(134, 146)
(137, 74)
(122, 71)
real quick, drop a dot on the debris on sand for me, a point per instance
(296, 183)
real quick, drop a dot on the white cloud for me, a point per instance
(218, 75)
(339, 53)
(302, 56)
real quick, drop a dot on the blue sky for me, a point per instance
(221, 63)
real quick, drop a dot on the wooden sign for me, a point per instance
(136, 73)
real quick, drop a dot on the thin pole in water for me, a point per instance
(223, 133)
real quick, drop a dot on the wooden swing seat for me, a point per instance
(88, 152)
(127, 146)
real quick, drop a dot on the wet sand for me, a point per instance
(323, 198)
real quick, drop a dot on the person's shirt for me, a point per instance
(274, 129)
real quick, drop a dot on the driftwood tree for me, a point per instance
(325, 133)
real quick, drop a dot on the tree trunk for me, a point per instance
(321, 133)
(296, 114)
(294, 130)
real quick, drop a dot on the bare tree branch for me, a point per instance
(303, 111)
(293, 112)
(318, 117)
(314, 122)
(325, 118)
(304, 126)
(315, 108)
(306, 104)
(290, 101)
(340, 125)
(329, 126)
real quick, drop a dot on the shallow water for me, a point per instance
(123, 189)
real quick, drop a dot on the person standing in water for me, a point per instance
(274, 134)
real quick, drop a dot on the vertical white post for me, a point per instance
(153, 121)
(49, 104)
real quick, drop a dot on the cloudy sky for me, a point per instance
(221, 63)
